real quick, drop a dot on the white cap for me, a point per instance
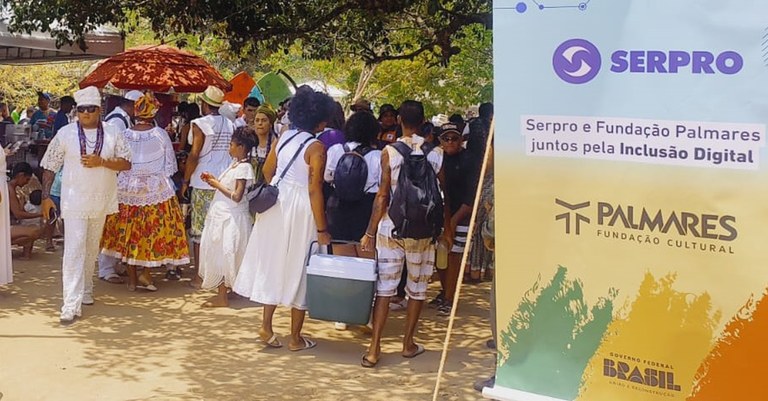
(133, 95)
(89, 96)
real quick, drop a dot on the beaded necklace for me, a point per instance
(83, 140)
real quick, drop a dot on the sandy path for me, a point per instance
(163, 346)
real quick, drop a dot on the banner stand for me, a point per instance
(507, 394)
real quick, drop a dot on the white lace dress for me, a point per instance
(227, 228)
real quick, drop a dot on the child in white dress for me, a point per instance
(228, 222)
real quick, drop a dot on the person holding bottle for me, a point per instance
(461, 184)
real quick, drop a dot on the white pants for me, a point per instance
(81, 248)
(107, 265)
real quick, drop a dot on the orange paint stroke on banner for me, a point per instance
(736, 367)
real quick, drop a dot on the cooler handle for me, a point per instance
(343, 242)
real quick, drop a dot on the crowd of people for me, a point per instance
(128, 202)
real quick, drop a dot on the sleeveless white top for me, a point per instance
(214, 157)
(435, 158)
(298, 174)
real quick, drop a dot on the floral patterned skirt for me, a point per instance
(147, 236)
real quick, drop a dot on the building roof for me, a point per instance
(40, 47)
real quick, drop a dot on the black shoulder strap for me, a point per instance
(117, 115)
(346, 148)
(401, 148)
(282, 145)
(293, 159)
(427, 147)
(363, 150)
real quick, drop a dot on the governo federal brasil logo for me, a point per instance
(576, 61)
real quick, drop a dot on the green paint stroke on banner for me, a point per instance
(551, 337)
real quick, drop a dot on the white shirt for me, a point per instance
(118, 122)
(240, 122)
(372, 160)
(214, 157)
(86, 192)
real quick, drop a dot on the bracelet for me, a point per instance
(369, 235)
(185, 181)
(322, 231)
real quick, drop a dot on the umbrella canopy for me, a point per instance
(159, 68)
(241, 87)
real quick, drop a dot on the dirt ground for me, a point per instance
(164, 346)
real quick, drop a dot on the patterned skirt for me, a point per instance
(147, 236)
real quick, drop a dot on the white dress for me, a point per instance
(6, 269)
(273, 271)
(226, 232)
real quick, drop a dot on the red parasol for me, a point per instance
(158, 68)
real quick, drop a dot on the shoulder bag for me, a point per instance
(263, 196)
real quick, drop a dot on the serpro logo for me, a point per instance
(576, 61)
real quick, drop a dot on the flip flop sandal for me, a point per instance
(308, 344)
(364, 362)
(144, 285)
(419, 350)
(273, 342)
(112, 279)
(148, 287)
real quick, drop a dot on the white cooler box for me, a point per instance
(340, 288)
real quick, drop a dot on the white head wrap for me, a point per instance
(89, 96)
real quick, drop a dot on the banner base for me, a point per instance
(508, 394)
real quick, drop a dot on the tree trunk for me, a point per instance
(365, 77)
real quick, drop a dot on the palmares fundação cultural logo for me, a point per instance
(644, 225)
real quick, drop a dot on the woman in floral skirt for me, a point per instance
(148, 231)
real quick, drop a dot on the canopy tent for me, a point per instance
(335, 92)
(40, 47)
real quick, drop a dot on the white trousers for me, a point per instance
(107, 265)
(81, 248)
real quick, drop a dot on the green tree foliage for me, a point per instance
(371, 30)
(20, 84)
(467, 80)
(436, 51)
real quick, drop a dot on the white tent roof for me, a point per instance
(40, 47)
(330, 90)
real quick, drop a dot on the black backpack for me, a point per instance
(416, 208)
(351, 174)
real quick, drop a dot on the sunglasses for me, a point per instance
(450, 138)
(87, 109)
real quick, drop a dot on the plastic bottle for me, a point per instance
(441, 261)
